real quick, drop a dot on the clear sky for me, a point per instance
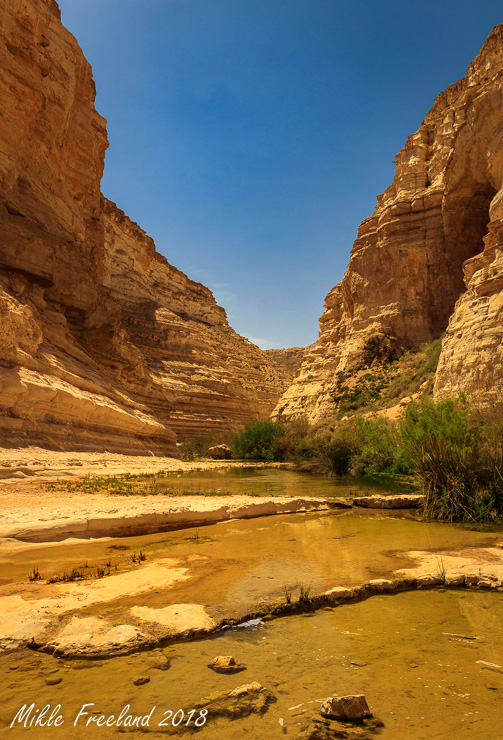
(249, 138)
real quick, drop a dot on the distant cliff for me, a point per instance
(290, 358)
(103, 344)
(430, 257)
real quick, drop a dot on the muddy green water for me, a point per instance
(421, 675)
(277, 482)
(233, 565)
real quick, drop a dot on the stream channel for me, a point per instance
(429, 662)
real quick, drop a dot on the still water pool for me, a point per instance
(428, 662)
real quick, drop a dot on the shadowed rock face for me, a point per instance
(430, 257)
(103, 344)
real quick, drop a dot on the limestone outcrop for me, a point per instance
(429, 259)
(103, 344)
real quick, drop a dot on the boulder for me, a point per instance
(352, 708)
(226, 664)
(219, 452)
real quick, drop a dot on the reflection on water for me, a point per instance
(409, 654)
(234, 564)
(278, 482)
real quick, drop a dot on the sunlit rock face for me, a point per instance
(290, 358)
(103, 344)
(430, 257)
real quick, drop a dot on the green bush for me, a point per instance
(260, 440)
(191, 449)
(458, 459)
(377, 448)
(338, 454)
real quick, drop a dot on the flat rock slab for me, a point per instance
(390, 502)
(87, 516)
(340, 503)
(90, 635)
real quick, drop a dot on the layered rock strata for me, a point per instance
(430, 257)
(203, 376)
(103, 344)
(290, 358)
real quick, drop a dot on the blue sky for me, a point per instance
(249, 138)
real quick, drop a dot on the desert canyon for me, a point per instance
(111, 359)
(429, 259)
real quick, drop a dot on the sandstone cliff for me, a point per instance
(430, 257)
(103, 344)
(290, 358)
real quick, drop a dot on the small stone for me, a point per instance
(141, 680)
(359, 663)
(353, 708)
(14, 667)
(161, 664)
(226, 664)
(247, 688)
(53, 681)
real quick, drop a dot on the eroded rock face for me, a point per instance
(430, 257)
(290, 358)
(103, 344)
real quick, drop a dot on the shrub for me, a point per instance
(259, 441)
(457, 458)
(338, 454)
(296, 439)
(378, 445)
(191, 449)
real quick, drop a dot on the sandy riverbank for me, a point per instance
(35, 462)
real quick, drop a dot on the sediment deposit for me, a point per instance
(103, 344)
(430, 257)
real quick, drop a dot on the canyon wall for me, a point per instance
(103, 344)
(430, 258)
(290, 358)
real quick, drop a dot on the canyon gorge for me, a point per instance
(429, 260)
(103, 343)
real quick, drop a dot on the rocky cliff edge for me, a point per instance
(430, 258)
(103, 344)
